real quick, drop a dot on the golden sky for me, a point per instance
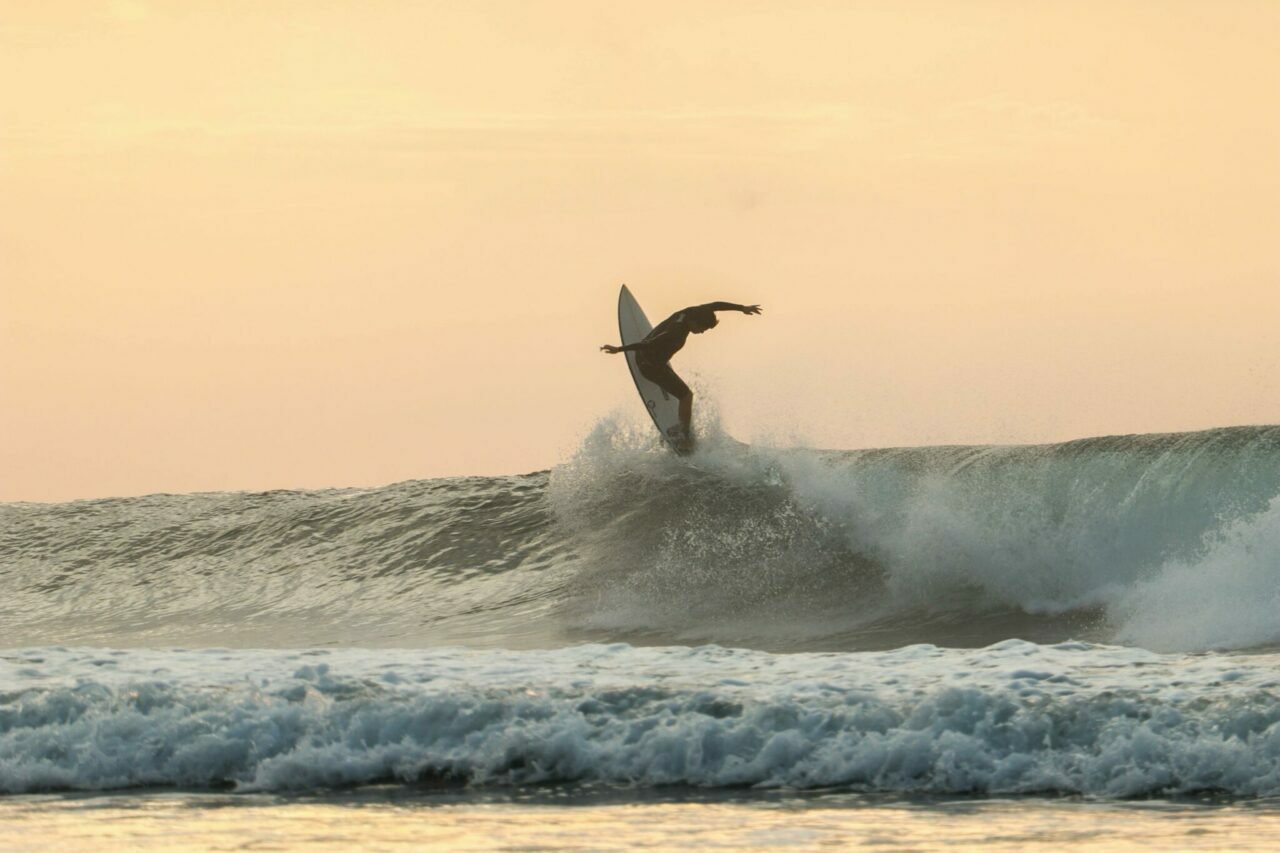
(249, 245)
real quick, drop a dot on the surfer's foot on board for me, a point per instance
(682, 440)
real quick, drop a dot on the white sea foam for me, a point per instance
(1226, 597)
(1014, 717)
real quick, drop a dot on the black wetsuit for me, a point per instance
(654, 352)
(661, 374)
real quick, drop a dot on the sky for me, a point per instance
(256, 245)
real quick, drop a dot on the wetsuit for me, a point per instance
(654, 352)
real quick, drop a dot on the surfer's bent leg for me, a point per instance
(661, 374)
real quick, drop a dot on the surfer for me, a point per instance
(654, 352)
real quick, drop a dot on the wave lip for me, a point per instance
(1012, 718)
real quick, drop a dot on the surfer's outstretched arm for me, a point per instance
(638, 346)
(727, 306)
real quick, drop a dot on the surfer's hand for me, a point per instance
(611, 349)
(750, 309)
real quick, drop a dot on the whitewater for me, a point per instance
(1098, 617)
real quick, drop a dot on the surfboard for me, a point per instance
(633, 325)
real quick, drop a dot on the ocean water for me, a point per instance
(1045, 646)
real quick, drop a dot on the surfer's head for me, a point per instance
(700, 321)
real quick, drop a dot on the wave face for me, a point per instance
(1167, 542)
(1012, 718)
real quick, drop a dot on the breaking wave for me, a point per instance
(1167, 542)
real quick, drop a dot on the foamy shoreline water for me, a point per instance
(1013, 718)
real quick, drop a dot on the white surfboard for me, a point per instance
(633, 325)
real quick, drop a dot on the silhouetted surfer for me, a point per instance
(653, 354)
